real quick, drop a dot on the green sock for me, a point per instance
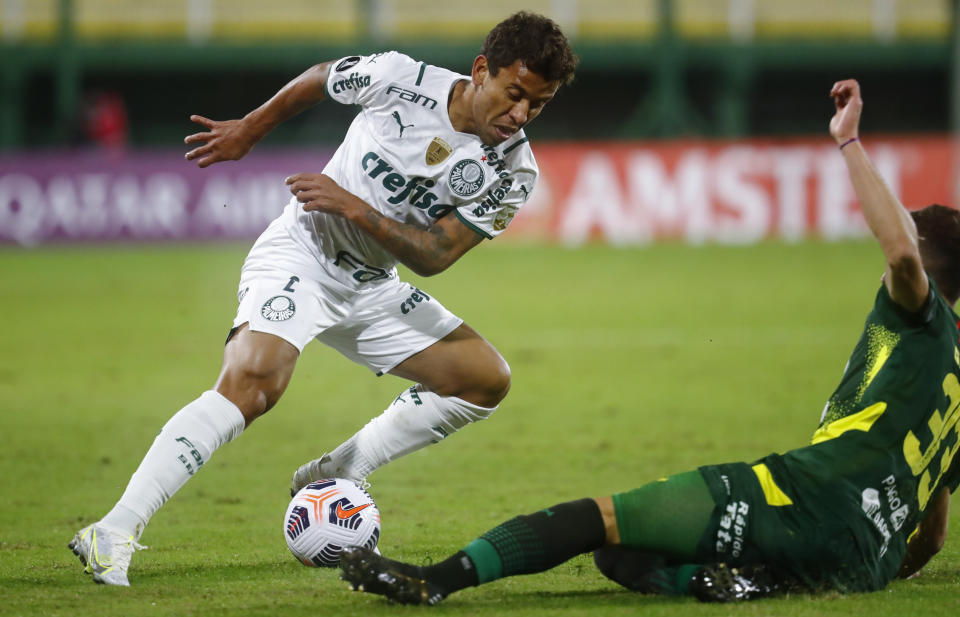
(523, 545)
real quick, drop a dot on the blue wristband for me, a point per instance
(848, 142)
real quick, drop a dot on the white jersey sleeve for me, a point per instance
(491, 213)
(356, 80)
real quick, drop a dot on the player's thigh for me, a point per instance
(280, 311)
(669, 516)
(399, 329)
(461, 364)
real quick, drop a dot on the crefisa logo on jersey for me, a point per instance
(354, 82)
(466, 177)
(278, 308)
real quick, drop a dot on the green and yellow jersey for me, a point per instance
(888, 436)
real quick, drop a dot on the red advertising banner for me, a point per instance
(622, 193)
(723, 192)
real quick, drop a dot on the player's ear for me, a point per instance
(480, 70)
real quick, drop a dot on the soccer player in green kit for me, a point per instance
(868, 499)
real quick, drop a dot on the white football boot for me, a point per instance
(105, 553)
(321, 469)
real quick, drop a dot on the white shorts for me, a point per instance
(285, 292)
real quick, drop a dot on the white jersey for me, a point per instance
(402, 156)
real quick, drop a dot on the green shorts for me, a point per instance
(818, 535)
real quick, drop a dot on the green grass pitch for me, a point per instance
(628, 364)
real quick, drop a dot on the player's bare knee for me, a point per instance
(498, 383)
(256, 370)
(248, 397)
(253, 388)
(489, 385)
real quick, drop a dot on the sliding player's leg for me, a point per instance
(539, 541)
(660, 526)
(523, 545)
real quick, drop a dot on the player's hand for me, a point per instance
(224, 140)
(318, 192)
(845, 124)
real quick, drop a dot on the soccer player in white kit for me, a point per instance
(432, 164)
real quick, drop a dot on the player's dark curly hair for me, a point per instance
(535, 40)
(938, 228)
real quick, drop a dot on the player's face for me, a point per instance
(508, 101)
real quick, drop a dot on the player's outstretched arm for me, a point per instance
(229, 140)
(930, 536)
(888, 219)
(425, 251)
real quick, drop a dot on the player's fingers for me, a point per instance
(847, 87)
(197, 152)
(302, 186)
(207, 122)
(304, 177)
(841, 96)
(301, 177)
(210, 158)
(189, 139)
(312, 205)
(309, 197)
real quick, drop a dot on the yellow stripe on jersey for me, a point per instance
(880, 345)
(860, 421)
(773, 493)
(882, 355)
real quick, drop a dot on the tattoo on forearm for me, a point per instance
(410, 244)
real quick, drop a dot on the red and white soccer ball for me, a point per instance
(325, 517)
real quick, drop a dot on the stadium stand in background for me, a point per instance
(398, 20)
(664, 68)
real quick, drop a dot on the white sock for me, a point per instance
(415, 419)
(184, 445)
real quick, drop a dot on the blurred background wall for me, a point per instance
(121, 77)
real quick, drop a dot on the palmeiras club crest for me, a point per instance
(466, 177)
(278, 308)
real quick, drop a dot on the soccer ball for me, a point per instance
(325, 517)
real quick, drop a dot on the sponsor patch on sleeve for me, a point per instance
(347, 63)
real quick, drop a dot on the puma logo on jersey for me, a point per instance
(396, 116)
